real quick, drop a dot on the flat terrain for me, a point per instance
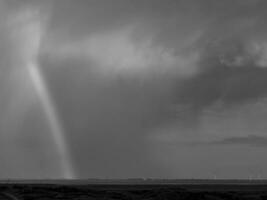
(194, 190)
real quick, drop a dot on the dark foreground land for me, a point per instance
(193, 190)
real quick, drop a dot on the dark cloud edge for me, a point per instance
(249, 140)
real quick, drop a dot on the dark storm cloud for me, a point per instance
(225, 28)
(235, 141)
(251, 140)
(232, 85)
(117, 70)
(231, 71)
(107, 116)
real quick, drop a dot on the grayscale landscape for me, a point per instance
(133, 99)
(135, 190)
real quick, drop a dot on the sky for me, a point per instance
(133, 89)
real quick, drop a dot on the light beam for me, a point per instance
(55, 125)
(31, 31)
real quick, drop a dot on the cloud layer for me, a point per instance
(126, 76)
(143, 66)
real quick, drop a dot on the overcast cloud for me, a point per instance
(131, 82)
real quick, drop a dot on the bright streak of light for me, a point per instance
(29, 31)
(56, 127)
